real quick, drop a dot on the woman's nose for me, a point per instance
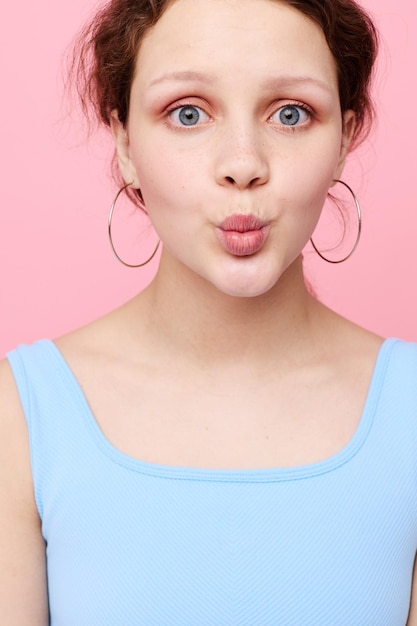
(241, 160)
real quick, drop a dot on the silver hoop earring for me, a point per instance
(358, 236)
(111, 238)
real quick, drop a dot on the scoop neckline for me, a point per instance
(275, 474)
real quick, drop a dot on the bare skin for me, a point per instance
(412, 617)
(23, 592)
(222, 362)
(264, 386)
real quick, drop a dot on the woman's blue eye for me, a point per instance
(289, 116)
(292, 115)
(188, 115)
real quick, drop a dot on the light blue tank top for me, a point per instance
(132, 543)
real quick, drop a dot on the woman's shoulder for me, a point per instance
(355, 343)
(106, 334)
(21, 545)
(344, 340)
(10, 407)
(12, 421)
(357, 354)
(109, 342)
(14, 441)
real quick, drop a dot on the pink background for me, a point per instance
(57, 270)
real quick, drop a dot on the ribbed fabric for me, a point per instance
(132, 543)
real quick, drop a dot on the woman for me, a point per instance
(223, 449)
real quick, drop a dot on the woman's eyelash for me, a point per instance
(298, 105)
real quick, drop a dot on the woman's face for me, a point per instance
(234, 136)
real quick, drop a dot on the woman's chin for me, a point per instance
(244, 288)
(257, 279)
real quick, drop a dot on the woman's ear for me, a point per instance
(349, 124)
(121, 141)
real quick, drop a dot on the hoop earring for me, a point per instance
(111, 238)
(358, 236)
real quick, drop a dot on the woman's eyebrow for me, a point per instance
(186, 75)
(277, 82)
(274, 82)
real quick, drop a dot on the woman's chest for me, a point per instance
(232, 424)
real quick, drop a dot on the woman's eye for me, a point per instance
(188, 115)
(291, 115)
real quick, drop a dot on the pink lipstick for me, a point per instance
(242, 235)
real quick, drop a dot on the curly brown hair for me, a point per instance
(104, 55)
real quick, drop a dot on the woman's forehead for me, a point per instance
(245, 36)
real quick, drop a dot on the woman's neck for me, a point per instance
(188, 316)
